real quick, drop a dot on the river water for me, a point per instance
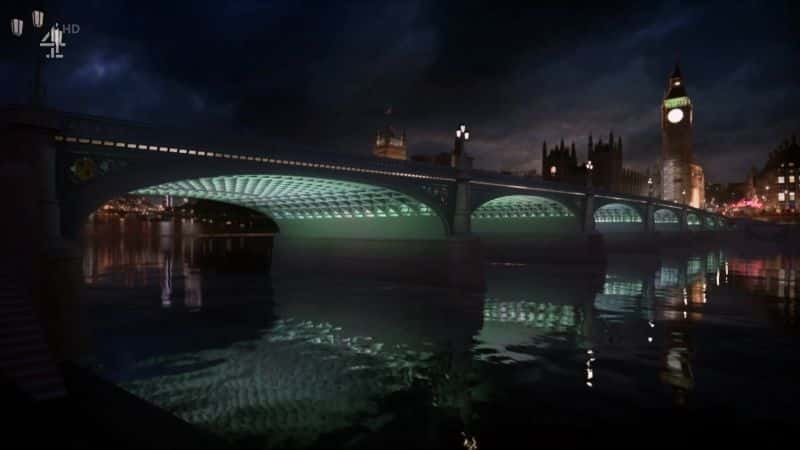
(548, 354)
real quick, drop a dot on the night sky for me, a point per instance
(322, 73)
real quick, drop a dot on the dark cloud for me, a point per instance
(321, 73)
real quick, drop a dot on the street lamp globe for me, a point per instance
(553, 170)
(589, 165)
(466, 135)
(37, 17)
(650, 181)
(462, 127)
(16, 27)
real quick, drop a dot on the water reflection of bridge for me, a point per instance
(377, 338)
(635, 301)
(331, 208)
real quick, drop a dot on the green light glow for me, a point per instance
(617, 213)
(665, 216)
(544, 315)
(694, 266)
(523, 214)
(677, 102)
(622, 287)
(297, 381)
(667, 276)
(693, 220)
(521, 206)
(285, 197)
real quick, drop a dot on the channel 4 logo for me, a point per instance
(54, 39)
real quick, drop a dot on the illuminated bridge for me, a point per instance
(333, 211)
(83, 161)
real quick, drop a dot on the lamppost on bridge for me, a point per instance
(589, 169)
(650, 187)
(462, 136)
(17, 29)
(683, 194)
(766, 198)
(463, 165)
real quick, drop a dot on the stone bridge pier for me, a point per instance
(39, 259)
(437, 249)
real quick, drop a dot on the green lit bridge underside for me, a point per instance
(296, 198)
(316, 206)
(521, 206)
(523, 214)
(321, 207)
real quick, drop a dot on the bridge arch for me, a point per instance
(618, 217)
(524, 214)
(317, 207)
(693, 221)
(304, 203)
(666, 219)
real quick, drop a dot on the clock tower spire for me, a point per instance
(676, 120)
(680, 175)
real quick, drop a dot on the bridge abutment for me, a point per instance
(51, 277)
(462, 212)
(684, 221)
(588, 225)
(649, 220)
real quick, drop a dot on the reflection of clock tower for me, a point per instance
(681, 179)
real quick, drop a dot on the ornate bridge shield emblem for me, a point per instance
(83, 170)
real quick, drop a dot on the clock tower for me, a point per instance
(677, 118)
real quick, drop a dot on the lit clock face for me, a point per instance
(675, 115)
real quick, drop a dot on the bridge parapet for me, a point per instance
(116, 134)
(109, 136)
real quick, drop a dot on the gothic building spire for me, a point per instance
(676, 73)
